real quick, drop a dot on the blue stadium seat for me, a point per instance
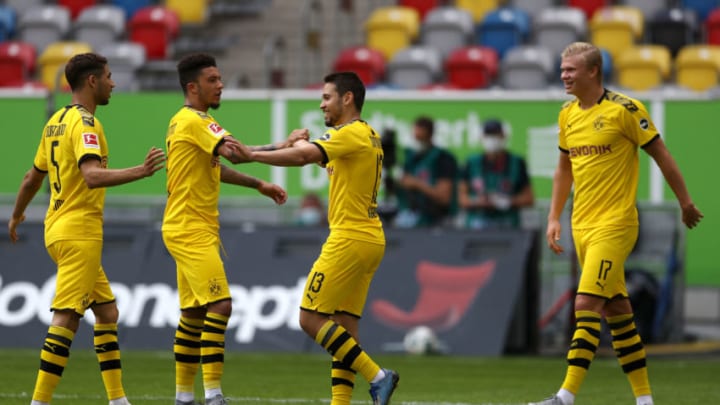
(503, 29)
(132, 6)
(8, 20)
(701, 7)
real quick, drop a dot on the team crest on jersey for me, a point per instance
(325, 137)
(90, 140)
(644, 124)
(216, 129)
(214, 288)
(598, 123)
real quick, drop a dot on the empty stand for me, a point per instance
(616, 28)
(367, 63)
(158, 75)
(43, 25)
(230, 8)
(589, 7)
(8, 20)
(17, 63)
(447, 28)
(422, 6)
(673, 28)
(557, 27)
(712, 27)
(472, 67)
(389, 29)
(698, 67)
(125, 59)
(155, 28)
(100, 25)
(703, 8)
(527, 67)
(132, 6)
(53, 59)
(76, 6)
(21, 6)
(647, 7)
(414, 67)
(533, 7)
(478, 8)
(194, 12)
(503, 29)
(643, 67)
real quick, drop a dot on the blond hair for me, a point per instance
(589, 53)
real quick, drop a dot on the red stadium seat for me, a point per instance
(472, 67)
(76, 6)
(712, 25)
(422, 6)
(155, 28)
(17, 63)
(367, 63)
(589, 6)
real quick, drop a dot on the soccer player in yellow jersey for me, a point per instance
(600, 133)
(195, 142)
(73, 153)
(337, 286)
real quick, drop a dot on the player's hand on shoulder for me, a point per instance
(691, 215)
(275, 192)
(154, 161)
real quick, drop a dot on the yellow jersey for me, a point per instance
(71, 136)
(353, 158)
(193, 171)
(602, 143)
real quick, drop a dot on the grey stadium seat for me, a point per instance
(557, 27)
(124, 58)
(100, 25)
(44, 25)
(527, 67)
(447, 28)
(414, 67)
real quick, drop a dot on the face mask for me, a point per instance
(492, 144)
(310, 216)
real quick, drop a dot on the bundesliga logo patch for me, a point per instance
(216, 129)
(91, 141)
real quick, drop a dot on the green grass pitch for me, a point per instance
(272, 378)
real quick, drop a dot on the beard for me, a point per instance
(214, 106)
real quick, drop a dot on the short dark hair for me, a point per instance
(348, 81)
(190, 66)
(426, 123)
(82, 65)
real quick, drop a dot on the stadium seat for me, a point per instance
(447, 28)
(589, 7)
(391, 28)
(194, 12)
(44, 25)
(608, 68)
(158, 75)
(52, 61)
(643, 67)
(367, 63)
(155, 28)
(702, 8)
(230, 8)
(414, 67)
(21, 6)
(76, 6)
(124, 58)
(698, 67)
(422, 6)
(478, 8)
(533, 7)
(712, 27)
(557, 27)
(647, 7)
(503, 29)
(527, 67)
(8, 20)
(472, 67)
(616, 28)
(17, 63)
(673, 28)
(99, 25)
(131, 6)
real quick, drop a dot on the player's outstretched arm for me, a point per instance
(30, 185)
(691, 215)
(301, 154)
(97, 176)
(296, 135)
(231, 176)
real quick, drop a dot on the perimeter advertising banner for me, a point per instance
(477, 291)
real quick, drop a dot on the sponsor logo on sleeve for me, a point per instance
(216, 129)
(325, 137)
(90, 140)
(644, 124)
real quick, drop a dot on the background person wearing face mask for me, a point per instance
(311, 211)
(494, 185)
(427, 189)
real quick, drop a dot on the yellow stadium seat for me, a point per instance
(392, 28)
(192, 12)
(478, 8)
(643, 67)
(698, 67)
(52, 61)
(616, 28)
